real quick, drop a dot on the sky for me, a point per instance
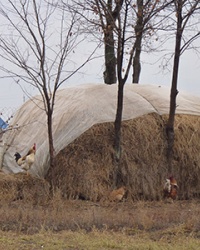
(12, 96)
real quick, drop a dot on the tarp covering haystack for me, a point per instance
(83, 139)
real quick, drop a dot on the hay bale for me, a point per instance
(22, 187)
(187, 155)
(84, 169)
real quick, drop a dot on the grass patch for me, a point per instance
(96, 240)
(59, 215)
(58, 223)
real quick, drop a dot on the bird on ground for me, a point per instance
(26, 161)
(117, 194)
(170, 189)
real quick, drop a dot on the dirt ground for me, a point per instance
(58, 214)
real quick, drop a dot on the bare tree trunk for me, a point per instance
(174, 91)
(136, 59)
(110, 76)
(117, 125)
(121, 83)
(110, 59)
(138, 42)
(51, 146)
(118, 121)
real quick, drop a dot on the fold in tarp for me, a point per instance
(76, 110)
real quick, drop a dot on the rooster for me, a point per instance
(117, 194)
(26, 161)
(170, 188)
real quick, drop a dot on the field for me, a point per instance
(75, 224)
(77, 217)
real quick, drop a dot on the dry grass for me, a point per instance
(22, 187)
(30, 218)
(59, 214)
(85, 168)
(75, 224)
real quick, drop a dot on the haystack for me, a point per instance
(84, 169)
(14, 187)
(83, 137)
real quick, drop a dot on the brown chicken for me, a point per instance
(117, 194)
(170, 188)
(26, 161)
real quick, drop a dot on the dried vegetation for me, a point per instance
(84, 169)
(19, 186)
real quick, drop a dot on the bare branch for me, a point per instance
(38, 48)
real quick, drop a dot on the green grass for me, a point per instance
(80, 240)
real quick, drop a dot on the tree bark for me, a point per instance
(51, 146)
(110, 59)
(50, 133)
(117, 126)
(110, 76)
(174, 91)
(118, 121)
(138, 42)
(136, 59)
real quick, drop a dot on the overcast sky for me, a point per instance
(12, 96)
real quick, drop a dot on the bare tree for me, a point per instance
(123, 70)
(185, 13)
(149, 19)
(110, 14)
(143, 21)
(145, 10)
(126, 41)
(102, 15)
(124, 25)
(37, 48)
(138, 41)
(117, 37)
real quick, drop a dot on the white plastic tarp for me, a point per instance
(76, 110)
